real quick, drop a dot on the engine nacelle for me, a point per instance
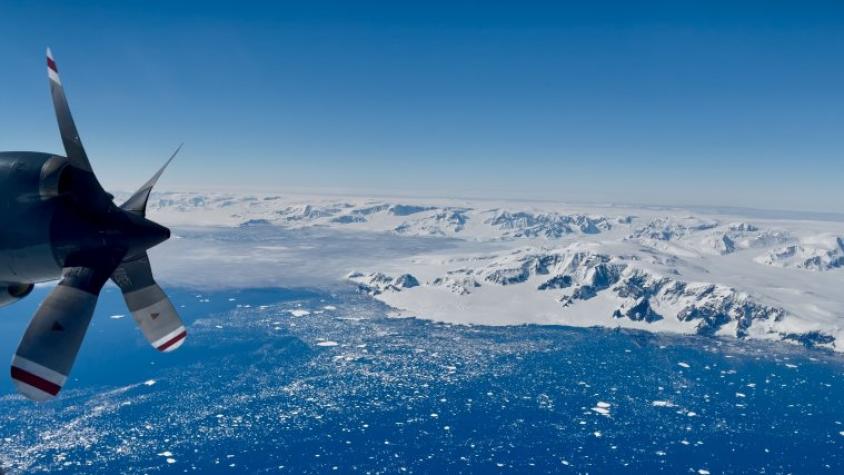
(11, 293)
(55, 177)
(32, 184)
(29, 176)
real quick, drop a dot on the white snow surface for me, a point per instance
(729, 273)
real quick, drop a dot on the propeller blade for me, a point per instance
(150, 307)
(49, 347)
(137, 203)
(70, 136)
(86, 187)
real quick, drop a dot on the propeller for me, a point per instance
(111, 243)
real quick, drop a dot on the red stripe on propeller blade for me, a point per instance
(35, 381)
(173, 341)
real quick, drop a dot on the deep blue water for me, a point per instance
(252, 391)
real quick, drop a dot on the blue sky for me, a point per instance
(733, 103)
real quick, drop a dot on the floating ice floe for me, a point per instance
(299, 313)
(116, 317)
(683, 364)
(327, 343)
(662, 404)
(149, 382)
(330, 307)
(602, 408)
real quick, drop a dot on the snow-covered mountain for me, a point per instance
(706, 235)
(575, 275)
(815, 253)
(413, 219)
(656, 269)
(549, 225)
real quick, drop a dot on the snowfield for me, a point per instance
(742, 274)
